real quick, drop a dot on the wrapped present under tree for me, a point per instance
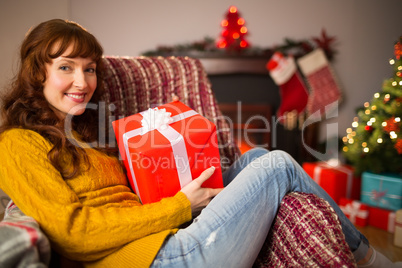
(398, 228)
(338, 181)
(382, 190)
(357, 212)
(382, 218)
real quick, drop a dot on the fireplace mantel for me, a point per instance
(233, 65)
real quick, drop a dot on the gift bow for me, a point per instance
(155, 119)
(160, 120)
(378, 195)
(353, 210)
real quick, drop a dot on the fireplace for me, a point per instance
(249, 98)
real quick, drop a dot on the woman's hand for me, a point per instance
(200, 197)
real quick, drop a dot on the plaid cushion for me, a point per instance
(25, 244)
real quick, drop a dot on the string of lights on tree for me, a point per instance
(374, 142)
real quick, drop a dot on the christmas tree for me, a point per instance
(374, 142)
(234, 31)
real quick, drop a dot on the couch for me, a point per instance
(306, 232)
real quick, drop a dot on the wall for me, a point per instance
(16, 17)
(365, 31)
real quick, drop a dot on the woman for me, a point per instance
(81, 199)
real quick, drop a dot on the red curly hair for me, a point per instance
(24, 106)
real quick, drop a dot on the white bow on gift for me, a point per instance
(353, 210)
(160, 120)
(155, 119)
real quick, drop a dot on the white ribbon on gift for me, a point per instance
(349, 174)
(391, 222)
(353, 211)
(159, 119)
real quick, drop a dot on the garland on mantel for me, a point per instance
(207, 48)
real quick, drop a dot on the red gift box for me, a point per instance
(357, 212)
(164, 148)
(337, 181)
(382, 218)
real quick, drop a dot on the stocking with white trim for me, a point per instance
(293, 91)
(325, 92)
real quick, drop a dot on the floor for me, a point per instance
(383, 242)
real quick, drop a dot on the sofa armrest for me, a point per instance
(305, 233)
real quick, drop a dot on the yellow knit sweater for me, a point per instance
(93, 217)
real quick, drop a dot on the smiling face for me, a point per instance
(70, 84)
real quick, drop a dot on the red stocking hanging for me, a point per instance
(324, 89)
(293, 91)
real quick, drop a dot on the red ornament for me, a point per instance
(368, 128)
(398, 50)
(398, 146)
(392, 125)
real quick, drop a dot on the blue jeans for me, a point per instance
(231, 230)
